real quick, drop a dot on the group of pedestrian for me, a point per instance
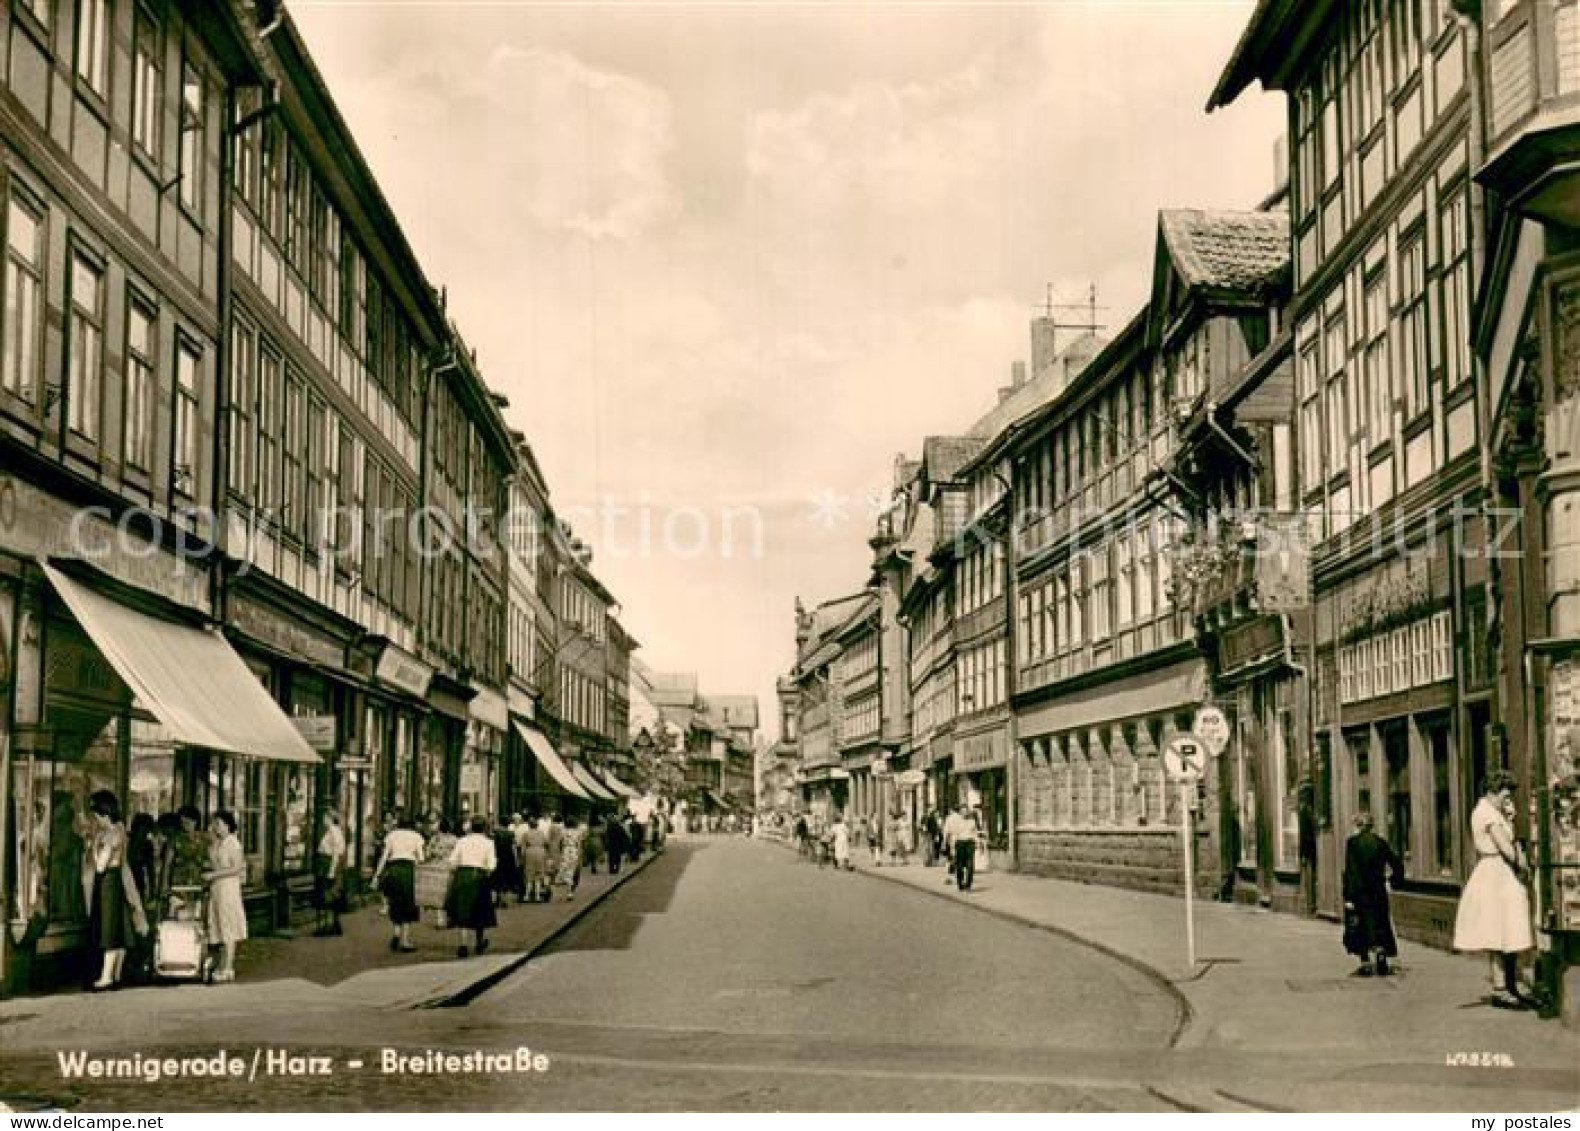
(887, 838)
(1494, 913)
(526, 859)
(132, 876)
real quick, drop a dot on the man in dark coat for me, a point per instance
(1370, 865)
(615, 843)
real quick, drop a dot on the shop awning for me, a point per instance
(589, 781)
(618, 787)
(190, 679)
(543, 750)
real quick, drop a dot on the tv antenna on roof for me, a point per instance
(1051, 309)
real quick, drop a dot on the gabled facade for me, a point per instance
(1527, 338)
(1390, 422)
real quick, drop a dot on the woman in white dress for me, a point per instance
(1494, 909)
(227, 914)
(841, 838)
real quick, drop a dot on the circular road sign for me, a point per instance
(1212, 728)
(1185, 758)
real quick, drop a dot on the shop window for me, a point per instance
(1436, 734)
(1359, 744)
(153, 786)
(296, 791)
(1286, 852)
(78, 755)
(249, 797)
(1245, 794)
(1396, 754)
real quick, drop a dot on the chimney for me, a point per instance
(1017, 374)
(1004, 393)
(1044, 343)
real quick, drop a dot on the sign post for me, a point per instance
(1184, 759)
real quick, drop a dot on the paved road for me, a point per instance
(729, 976)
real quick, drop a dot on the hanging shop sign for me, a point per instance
(318, 731)
(981, 752)
(400, 669)
(490, 708)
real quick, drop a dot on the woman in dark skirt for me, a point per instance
(115, 909)
(470, 903)
(396, 877)
(507, 874)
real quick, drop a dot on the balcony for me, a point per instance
(1533, 72)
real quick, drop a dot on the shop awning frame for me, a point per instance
(589, 781)
(189, 678)
(543, 750)
(618, 787)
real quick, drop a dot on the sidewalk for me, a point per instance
(304, 974)
(1274, 1019)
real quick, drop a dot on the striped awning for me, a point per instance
(543, 750)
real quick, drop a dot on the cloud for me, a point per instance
(589, 146)
(745, 256)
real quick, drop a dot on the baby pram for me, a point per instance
(181, 940)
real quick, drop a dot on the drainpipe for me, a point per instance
(220, 471)
(1011, 658)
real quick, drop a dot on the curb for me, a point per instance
(1201, 1099)
(1185, 1014)
(476, 988)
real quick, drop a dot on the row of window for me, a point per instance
(1382, 367)
(523, 645)
(485, 644)
(981, 681)
(859, 720)
(88, 323)
(1110, 429)
(933, 701)
(292, 459)
(1414, 655)
(858, 661)
(582, 611)
(94, 28)
(291, 207)
(979, 578)
(1099, 591)
(582, 700)
(1394, 69)
(935, 614)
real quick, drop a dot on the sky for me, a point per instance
(727, 261)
